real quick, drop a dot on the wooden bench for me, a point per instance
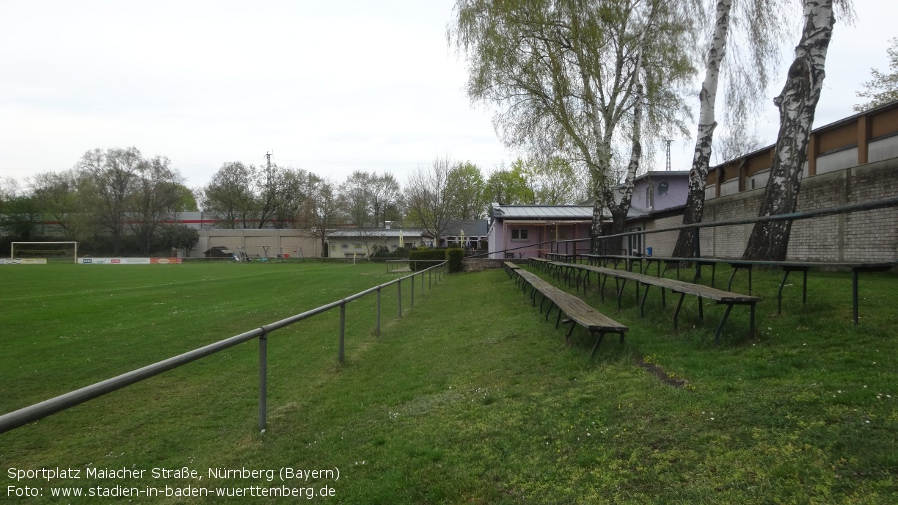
(510, 268)
(682, 288)
(576, 310)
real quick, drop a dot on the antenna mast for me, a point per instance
(668, 153)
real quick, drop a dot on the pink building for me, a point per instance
(531, 231)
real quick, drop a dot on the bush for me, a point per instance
(383, 253)
(424, 258)
(456, 259)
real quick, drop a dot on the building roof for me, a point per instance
(472, 227)
(560, 212)
(376, 232)
(556, 212)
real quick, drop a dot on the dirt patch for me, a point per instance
(659, 372)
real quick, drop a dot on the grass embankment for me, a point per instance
(471, 397)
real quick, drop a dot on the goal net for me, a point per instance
(63, 251)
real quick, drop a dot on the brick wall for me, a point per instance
(859, 236)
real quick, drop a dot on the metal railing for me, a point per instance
(45, 408)
(570, 246)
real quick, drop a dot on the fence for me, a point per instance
(43, 409)
(574, 248)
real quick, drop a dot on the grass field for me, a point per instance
(471, 397)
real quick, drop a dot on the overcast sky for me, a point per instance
(329, 87)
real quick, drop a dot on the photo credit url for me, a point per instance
(129, 483)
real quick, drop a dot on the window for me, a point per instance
(559, 233)
(519, 234)
(634, 242)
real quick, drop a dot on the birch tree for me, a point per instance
(882, 88)
(797, 104)
(752, 53)
(563, 73)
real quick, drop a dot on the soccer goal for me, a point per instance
(48, 250)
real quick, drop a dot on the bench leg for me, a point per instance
(598, 342)
(642, 305)
(723, 321)
(620, 292)
(779, 294)
(730, 284)
(677, 312)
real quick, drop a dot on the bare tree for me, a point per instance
(386, 197)
(429, 198)
(355, 197)
(291, 198)
(323, 209)
(110, 177)
(156, 194)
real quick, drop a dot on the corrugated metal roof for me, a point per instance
(472, 228)
(379, 232)
(542, 211)
(556, 212)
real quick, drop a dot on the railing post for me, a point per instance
(412, 282)
(342, 331)
(263, 380)
(399, 288)
(377, 316)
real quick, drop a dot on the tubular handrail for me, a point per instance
(23, 416)
(806, 214)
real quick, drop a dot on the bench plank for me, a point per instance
(576, 310)
(681, 287)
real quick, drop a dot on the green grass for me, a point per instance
(471, 397)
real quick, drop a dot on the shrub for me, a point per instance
(456, 259)
(425, 257)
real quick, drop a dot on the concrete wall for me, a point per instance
(296, 243)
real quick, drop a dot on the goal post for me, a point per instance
(63, 249)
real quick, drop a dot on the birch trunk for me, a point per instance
(687, 241)
(620, 210)
(797, 104)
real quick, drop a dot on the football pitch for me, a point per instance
(66, 326)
